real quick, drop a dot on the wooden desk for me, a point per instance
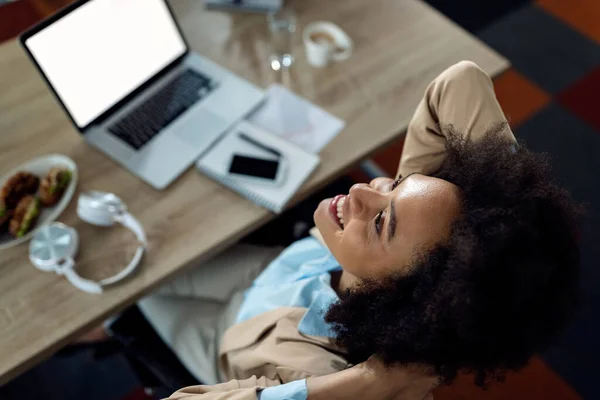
(399, 47)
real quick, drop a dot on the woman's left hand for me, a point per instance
(373, 380)
(397, 383)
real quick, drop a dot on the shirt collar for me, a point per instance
(313, 323)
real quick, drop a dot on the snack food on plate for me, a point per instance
(16, 187)
(53, 186)
(5, 216)
(25, 216)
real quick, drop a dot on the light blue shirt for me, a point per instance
(298, 277)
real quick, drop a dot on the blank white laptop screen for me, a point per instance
(103, 50)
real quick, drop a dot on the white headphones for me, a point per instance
(54, 246)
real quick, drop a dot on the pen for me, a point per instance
(256, 143)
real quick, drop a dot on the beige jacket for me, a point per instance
(268, 350)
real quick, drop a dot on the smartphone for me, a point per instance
(258, 170)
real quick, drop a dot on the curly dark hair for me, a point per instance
(501, 288)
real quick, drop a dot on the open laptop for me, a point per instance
(130, 84)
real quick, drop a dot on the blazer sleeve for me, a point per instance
(462, 97)
(248, 389)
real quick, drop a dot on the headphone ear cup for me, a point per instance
(51, 245)
(95, 216)
(99, 208)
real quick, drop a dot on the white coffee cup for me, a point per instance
(325, 42)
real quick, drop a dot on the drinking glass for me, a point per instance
(282, 25)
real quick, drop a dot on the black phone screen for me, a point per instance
(257, 167)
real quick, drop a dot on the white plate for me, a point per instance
(40, 167)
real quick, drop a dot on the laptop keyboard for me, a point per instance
(143, 123)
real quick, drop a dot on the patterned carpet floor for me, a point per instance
(550, 96)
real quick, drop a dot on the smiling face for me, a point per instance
(376, 229)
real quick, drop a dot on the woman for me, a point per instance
(467, 262)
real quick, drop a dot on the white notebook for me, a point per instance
(300, 164)
(294, 118)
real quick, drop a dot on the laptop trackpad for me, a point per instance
(202, 128)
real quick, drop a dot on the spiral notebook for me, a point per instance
(300, 164)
